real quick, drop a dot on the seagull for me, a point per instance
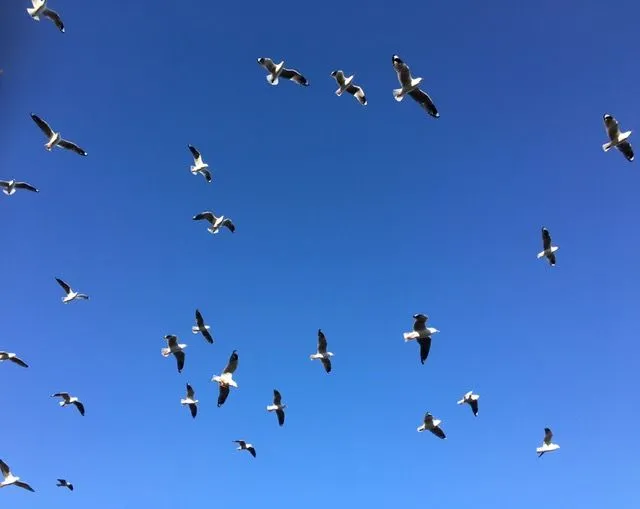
(548, 250)
(322, 353)
(63, 483)
(9, 187)
(69, 400)
(345, 85)
(618, 139)
(201, 327)
(411, 86)
(279, 71)
(277, 406)
(40, 8)
(176, 349)
(472, 400)
(247, 447)
(55, 138)
(216, 222)
(189, 400)
(71, 295)
(547, 445)
(10, 479)
(200, 166)
(432, 425)
(225, 380)
(7, 356)
(422, 334)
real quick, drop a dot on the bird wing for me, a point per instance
(223, 394)
(546, 239)
(4, 468)
(24, 485)
(437, 431)
(199, 319)
(208, 216)
(4, 183)
(24, 185)
(277, 398)
(625, 148)
(280, 414)
(241, 443)
(293, 75)
(190, 392)
(358, 93)
(548, 436)
(326, 362)
(611, 124)
(402, 70)
(44, 127)
(268, 64)
(229, 224)
(69, 145)
(474, 406)
(425, 346)
(207, 175)
(180, 360)
(252, 451)
(322, 342)
(194, 410)
(195, 153)
(55, 17)
(19, 362)
(552, 259)
(63, 395)
(80, 407)
(64, 285)
(62, 481)
(232, 364)
(339, 77)
(422, 98)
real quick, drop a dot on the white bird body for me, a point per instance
(173, 348)
(274, 77)
(413, 335)
(400, 93)
(345, 84)
(615, 142)
(547, 252)
(36, 10)
(225, 378)
(472, 400)
(70, 293)
(9, 479)
(196, 330)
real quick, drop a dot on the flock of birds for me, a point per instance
(421, 333)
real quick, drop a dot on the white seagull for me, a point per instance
(199, 165)
(70, 294)
(547, 445)
(472, 400)
(201, 327)
(8, 356)
(225, 380)
(40, 9)
(346, 85)
(617, 139)
(175, 348)
(547, 249)
(216, 222)
(321, 353)
(69, 400)
(422, 334)
(280, 71)
(54, 138)
(411, 86)
(432, 425)
(9, 186)
(63, 483)
(191, 401)
(277, 406)
(242, 445)
(10, 479)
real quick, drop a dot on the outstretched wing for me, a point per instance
(194, 152)
(199, 319)
(358, 93)
(280, 414)
(293, 75)
(55, 17)
(223, 394)
(425, 346)
(474, 406)
(267, 63)
(24, 485)
(322, 342)
(402, 70)
(64, 285)
(44, 127)
(19, 362)
(546, 239)
(423, 99)
(277, 398)
(229, 224)
(339, 77)
(612, 127)
(207, 216)
(252, 451)
(80, 407)
(190, 392)
(207, 175)
(548, 436)
(180, 360)
(326, 362)
(232, 364)
(24, 185)
(63, 395)
(4, 468)
(624, 147)
(72, 146)
(437, 431)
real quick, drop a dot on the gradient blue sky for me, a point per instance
(348, 218)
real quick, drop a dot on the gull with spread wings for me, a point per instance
(321, 353)
(55, 139)
(277, 71)
(225, 379)
(411, 86)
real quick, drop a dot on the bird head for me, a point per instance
(396, 59)
(334, 73)
(607, 116)
(261, 60)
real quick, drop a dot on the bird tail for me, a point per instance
(273, 80)
(397, 94)
(607, 146)
(408, 336)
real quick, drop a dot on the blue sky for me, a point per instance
(348, 218)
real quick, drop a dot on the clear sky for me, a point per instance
(348, 218)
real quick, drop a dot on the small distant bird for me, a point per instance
(410, 86)
(225, 380)
(242, 445)
(199, 165)
(548, 250)
(69, 400)
(433, 425)
(175, 348)
(280, 71)
(7, 356)
(321, 353)
(422, 334)
(618, 139)
(216, 222)
(10, 479)
(277, 406)
(62, 483)
(54, 138)
(9, 186)
(547, 445)
(40, 9)
(201, 327)
(71, 295)
(191, 401)
(345, 85)
(472, 400)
